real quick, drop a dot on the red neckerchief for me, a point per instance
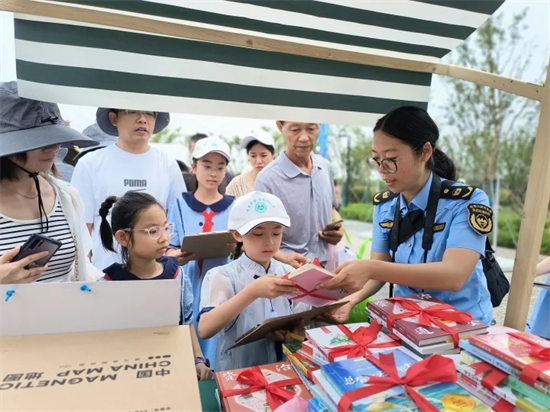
(206, 228)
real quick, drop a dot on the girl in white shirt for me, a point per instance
(242, 294)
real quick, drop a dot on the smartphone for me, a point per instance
(333, 225)
(36, 244)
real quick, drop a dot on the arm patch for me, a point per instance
(480, 218)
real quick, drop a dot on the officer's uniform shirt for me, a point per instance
(191, 217)
(223, 283)
(452, 229)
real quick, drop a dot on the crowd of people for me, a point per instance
(128, 207)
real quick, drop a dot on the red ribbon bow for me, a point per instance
(492, 379)
(531, 372)
(435, 368)
(362, 339)
(275, 392)
(431, 315)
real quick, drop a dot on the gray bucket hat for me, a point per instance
(102, 118)
(94, 132)
(27, 124)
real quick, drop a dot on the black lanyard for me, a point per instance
(415, 221)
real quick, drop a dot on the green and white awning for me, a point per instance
(96, 65)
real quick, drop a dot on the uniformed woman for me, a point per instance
(420, 178)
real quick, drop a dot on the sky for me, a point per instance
(536, 34)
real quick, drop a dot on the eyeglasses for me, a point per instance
(390, 164)
(138, 113)
(213, 169)
(155, 232)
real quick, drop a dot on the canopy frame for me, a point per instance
(538, 188)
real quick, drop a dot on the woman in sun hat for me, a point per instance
(260, 149)
(33, 201)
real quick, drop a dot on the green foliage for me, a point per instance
(357, 211)
(492, 131)
(168, 136)
(508, 231)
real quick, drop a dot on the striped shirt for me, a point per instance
(15, 233)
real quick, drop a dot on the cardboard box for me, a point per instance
(38, 308)
(145, 370)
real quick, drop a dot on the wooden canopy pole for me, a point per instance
(532, 223)
(147, 25)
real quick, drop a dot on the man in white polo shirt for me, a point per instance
(130, 164)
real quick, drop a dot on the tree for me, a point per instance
(168, 136)
(486, 123)
(357, 166)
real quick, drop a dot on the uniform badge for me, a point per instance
(386, 225)
(480, 218)
(438, 227)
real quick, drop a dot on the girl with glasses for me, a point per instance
(408, 160)
(204, 210)
(139, 225)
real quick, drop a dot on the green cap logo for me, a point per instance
(260, 207)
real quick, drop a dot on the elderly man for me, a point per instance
(303, 181)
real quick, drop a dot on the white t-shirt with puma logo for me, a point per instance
(113, 172)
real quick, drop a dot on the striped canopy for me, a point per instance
(99, 65)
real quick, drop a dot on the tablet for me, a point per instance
(208, 245)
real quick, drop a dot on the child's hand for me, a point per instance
(204, 372)
(289, 335)
(183, 257)
(271, 286)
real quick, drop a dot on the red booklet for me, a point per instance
(256, 400)
(422, 335)
(306, 278)
(522, 350)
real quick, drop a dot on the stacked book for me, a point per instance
(244, 390)
(424, 324)
(508, 368)
(333, 343)
(352, 385)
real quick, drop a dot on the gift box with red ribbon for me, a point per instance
(522, 350)
(259, 388)
(338, 342)
(424, 386)
(425, 320)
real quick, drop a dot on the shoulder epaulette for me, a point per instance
(448, 191)
(383, 197)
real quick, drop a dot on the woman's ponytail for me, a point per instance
(442, 165)
(105, 231)
(414, 127)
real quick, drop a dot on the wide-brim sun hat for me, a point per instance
(264, 138)
(27, 124)
(256, 208)
(102, 118)
(211, 145)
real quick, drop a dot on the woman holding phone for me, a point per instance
(34, 202)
